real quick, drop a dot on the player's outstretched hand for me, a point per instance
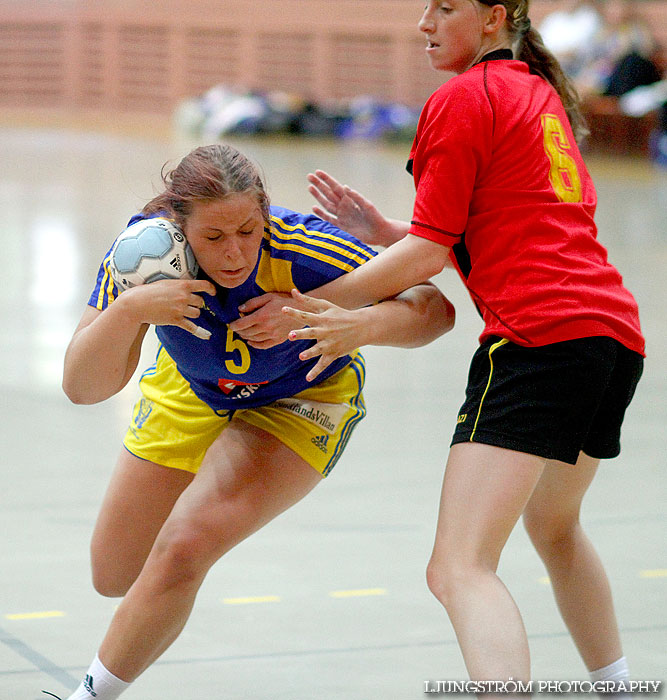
(263, 325)
(336, 330)
(347, 209)
(170, 303)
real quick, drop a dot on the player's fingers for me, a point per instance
(197, 299)
(309, 303)
(195, 330)
(321, 198)
(248, 334)
(331, 182)
(357, 198)
(241, 325)
(250, 320)
(255, 303)
(324, 215)
(263, 344)
(301, 320)
(313, 351)
(192, 312)
(256, 337)
(327, 188)
(303, 317)
(201, 286)
(321, 365)
(302, 334)
(256, 333)
(320, 176)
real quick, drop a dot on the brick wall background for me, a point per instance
(142, 56)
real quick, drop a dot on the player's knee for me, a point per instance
(434, 580)
(444, 577)
(184, 556)
(114, 566)
(550, 536)
(110, 583)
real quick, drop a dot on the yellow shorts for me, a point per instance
(171, 426)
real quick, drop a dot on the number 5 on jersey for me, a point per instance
(236, 345)
(563, 172)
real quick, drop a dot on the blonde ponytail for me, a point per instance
(529, 47)
(543, 63)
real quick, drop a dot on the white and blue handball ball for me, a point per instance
(151, 250)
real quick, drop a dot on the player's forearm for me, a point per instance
(396, 230)
(393, 231)
(414, 318)
(102, 356)
(410, 261)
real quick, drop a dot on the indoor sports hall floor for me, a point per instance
(330, 600)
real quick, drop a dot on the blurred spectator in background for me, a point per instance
(638, 103)
(622, 55)
(568, 32)
(618, 68)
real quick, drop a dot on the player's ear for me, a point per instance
(495, 19)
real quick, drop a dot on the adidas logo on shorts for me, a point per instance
(321, 442)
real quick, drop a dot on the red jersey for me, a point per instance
(500, 179)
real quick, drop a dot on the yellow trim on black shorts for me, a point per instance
(495, 346)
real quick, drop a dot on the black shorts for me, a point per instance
(551, 401)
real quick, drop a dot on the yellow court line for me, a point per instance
(252, 599)
(653, 573)
(36, 615)
(358, 593)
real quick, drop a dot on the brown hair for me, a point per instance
(205, 174)
(529, 47)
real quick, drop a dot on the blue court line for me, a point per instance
(36, 659)
(301, 653)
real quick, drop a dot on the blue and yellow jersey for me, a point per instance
(297, 250)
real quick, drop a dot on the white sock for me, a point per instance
(99, 683)
(618, 671)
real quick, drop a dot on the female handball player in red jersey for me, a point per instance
(503, 193)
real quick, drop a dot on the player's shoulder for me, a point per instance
(461, 92)
(142, 216)
(475, 84)
(282, 219)
(294, 234)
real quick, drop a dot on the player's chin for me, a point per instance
(230, 278)
(442, 63)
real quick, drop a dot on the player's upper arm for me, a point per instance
(89, 315)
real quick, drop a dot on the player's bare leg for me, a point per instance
(577, 575)
(247, 478)
(484, 492)
(138, 500)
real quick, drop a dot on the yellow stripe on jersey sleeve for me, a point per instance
(313, 254)
(106, 287)
(341, 246)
